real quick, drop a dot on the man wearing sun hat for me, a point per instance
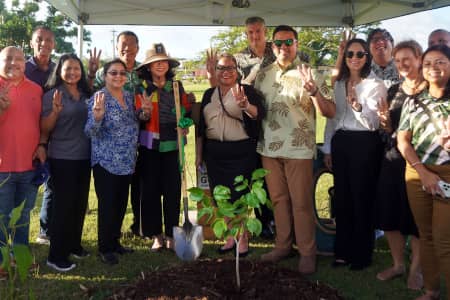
(158, 150)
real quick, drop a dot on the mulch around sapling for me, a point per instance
(216, 279)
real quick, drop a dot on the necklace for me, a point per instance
(417, 87)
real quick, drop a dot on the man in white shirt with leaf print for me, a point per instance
(287, 146)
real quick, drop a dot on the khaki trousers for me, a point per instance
(290, 188)
(433, 221)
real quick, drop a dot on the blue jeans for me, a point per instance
(45, 214)
(13, 192)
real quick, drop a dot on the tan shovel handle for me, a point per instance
(176, 93)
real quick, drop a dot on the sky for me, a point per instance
(188, 41)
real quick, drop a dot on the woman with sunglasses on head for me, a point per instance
(393, 214)
(64, 115)
(424, 140)
(158, 161)
(230, 117)
(112, 126)
(355, 155)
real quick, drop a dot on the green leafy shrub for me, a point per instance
(234, 219)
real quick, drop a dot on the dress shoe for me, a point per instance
(123, 250)
(222, 250)
(276, 255)
(244, 254)
(307, 265)
(108, 258)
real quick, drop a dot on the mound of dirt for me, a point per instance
(216, 279)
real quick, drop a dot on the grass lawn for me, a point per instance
(94, 280)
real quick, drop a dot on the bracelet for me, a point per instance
(416, 163)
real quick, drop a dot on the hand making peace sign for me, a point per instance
(94, 62)
(98, 109)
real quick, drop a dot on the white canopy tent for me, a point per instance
(233, 12)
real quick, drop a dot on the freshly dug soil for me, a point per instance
(216, 279)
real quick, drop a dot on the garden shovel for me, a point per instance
(188, 238)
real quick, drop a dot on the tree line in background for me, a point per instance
(17, 26)
(319, 43)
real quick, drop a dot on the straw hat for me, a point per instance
(157, 52)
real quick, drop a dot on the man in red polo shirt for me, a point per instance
(20, 110)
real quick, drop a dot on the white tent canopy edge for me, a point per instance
(233, 12)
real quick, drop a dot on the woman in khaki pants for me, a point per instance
(424, 141)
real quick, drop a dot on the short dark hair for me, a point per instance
(108, 65)
(284, 28)
(344, 72)
(55, 79)
(44, 28)
(440, 30)
(255, 19)
(128, 33)
(384, 32)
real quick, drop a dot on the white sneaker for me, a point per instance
(62, 266)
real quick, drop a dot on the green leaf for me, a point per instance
(251, 200)
(238, 179)
(219, 227)
(15, 215)
(258, 183)
(23, 259)
(196, 194)
(260, 193)
(259, 174)
(254, 226)
(5, 256)
(222, 191)
(234, 231)
(205, 211)
(240, 187)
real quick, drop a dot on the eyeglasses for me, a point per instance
(359, 54)
(288, 42)
(225, 68)
(438, 63)
(115, 73)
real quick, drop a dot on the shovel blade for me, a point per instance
(188, 245)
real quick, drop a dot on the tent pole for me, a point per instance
(80, 39)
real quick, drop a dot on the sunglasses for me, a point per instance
(225, 68)
(359, 54)
(115, 73)
(288, 42)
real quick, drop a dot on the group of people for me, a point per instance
(78, 120)
(386, 141)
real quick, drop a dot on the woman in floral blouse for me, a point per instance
(424, 141)
(112, 126)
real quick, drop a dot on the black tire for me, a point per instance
(323, 191)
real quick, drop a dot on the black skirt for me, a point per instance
(392, 208)
(226, 160)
